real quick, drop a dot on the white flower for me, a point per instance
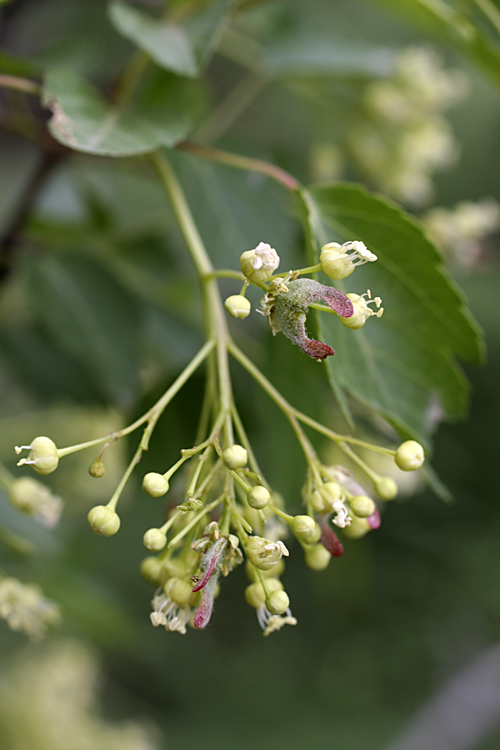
(271, 623)
(266, 257)
(361, 253)
(169, 614)
(25, 608)
(342, 517)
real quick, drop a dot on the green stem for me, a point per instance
(227, 273)
(491, 11)
(241, 162)
(195, 520)
(359, 461)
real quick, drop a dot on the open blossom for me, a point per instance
(258, 265)
(171, 615)
(272, 623)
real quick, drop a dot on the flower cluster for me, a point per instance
(25, 608)
(403, 137)
(229, 513)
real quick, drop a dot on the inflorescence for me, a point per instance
(230, 514)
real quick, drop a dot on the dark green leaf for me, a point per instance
(180, 47)
(399, 364)
(17, 66)
(91, 317)
(83, 120)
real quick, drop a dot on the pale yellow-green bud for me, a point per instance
(317, 557)
(154, 540)
(179, 590)
(315, 536)
(357, 528)
(174, 568)
(361, 310)
(409, 456)
(255, 595)
(43, 455)
(155, 484)
(277, 602)
(97, 469)
(386, 488)
(274, 571)
(238, 306)
(362, 506)
(334, 262)
(324, 497)
(302, 527)
(152, 570)
(258, 265)
(263, 553)
(235, 457)
(258, 497)
(103, 520)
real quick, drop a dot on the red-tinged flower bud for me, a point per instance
(330, 540)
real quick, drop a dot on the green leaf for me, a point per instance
(182, 47)
(91, 317)
(400, 364)
(17, 66)
(454, 26)
(83, 120)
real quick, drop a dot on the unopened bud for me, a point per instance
(274, 571)
(302, 527)
(179, 590)
(386, 488)
(263, 553)
(362, 506)
(277, 602)
(317, 557)
(97, 469)
(154, 540)
(357, 528)
(258, 497)
(155, 484)
(238, 306)
(152, 570)
(43, 455)
(103, 520)
(409, 456)
(255, 595)
(235, 457)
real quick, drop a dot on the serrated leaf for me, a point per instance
(181, 47)
(90, 316)
(83, 120)
(454, 26)
(401, 363)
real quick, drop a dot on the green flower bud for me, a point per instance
(154, 540)
(97, 469)
(317, 557)
(179, 590)
(176, 569)
(43, 455)
(361, 310)
(409, 456)
(274, 571)
(258, 497)
(103, 520)
(235, 457)
(358, 528)
(238, 306)
(338, 262)
(302, 527)
(362, 506)
(386, 488)
(322, 499)
(277, 602)
(258, 265)
(155, 484)
(263, 553)
(315, 536)
(255, 595)
(152, 570)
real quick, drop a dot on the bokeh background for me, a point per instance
(397, 646)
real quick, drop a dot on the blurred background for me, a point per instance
(397, 646)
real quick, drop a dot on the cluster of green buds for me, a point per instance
(225, 512)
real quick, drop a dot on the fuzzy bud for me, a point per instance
(362, 506)
(155, 484)
(238, 306)
(386, 488)
(302, 527)
(258, 497)
(409, 456)
(103, 520)
(235, 457)
(154, 540)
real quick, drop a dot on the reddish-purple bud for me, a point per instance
(204, 611)
(208, 562)
(374, 520)
(330, 540)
